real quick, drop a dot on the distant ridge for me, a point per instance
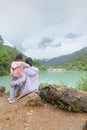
(78, 55)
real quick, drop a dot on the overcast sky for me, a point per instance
(44, 28)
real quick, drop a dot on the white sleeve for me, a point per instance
(20, 80)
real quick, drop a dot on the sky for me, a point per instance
(44, 28)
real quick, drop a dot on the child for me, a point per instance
(16, 71)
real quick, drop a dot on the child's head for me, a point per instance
(29, 61)
(19, 57)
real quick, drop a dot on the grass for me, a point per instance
(82, 84)
(42, 85)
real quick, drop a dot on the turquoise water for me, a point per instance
(68, 78)
(5, 81)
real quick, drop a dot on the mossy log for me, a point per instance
(65, 97)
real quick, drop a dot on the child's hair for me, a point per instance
(19, 57)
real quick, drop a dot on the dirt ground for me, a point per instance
(16, 117)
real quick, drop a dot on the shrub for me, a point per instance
(82, 84)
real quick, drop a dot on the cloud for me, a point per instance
(45, 43)
(44, 28)
(72, 35)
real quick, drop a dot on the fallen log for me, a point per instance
(65, 97)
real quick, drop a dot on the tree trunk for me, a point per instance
(65, 97)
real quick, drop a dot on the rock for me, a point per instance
(65, 97)
(31, 99)
(85, 126)
(2, 89)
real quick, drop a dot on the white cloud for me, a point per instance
(25, 23)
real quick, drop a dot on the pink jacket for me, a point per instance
(17, 68)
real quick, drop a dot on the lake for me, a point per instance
(69, 78)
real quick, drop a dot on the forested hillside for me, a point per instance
(7, 54)
(76, 60)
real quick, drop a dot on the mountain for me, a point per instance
(74, 57)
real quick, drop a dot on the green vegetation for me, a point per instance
(61, 105)
(82, 84)
(37, 63)
(42, 85)
(77, 63)
(6, 56)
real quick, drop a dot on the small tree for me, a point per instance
(36, 62)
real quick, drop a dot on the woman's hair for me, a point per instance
(29, 61)
(19, 56)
